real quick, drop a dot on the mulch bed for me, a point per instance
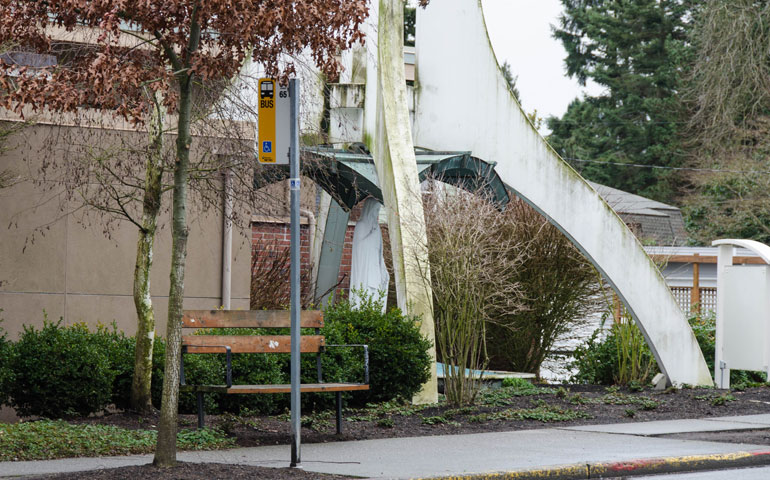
(194, 471)
(594, 405)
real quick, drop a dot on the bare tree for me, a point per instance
(179, 45)
(559, 290)
(729, 98)
(730, 79)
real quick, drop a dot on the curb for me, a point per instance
(647, 466)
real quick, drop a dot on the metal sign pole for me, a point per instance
(294, 184)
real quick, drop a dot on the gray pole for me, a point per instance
(294, 184)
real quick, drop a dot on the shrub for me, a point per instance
(506, 284)
(121, 349)
(120, 352)
(398, 353)
(704, 328)
(596, 359)
(398, 356)
(559, 290)
(257, 369)
(635, 363)
(6, 372)
(60, 371)
(270, 286)
(621, 357)
(472, 260)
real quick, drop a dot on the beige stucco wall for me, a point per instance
(64, 264)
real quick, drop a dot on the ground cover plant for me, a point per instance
(47, 439)
(518, 405)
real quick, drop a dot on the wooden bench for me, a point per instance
(233, 344)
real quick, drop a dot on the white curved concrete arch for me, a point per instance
(757, 247)
(463, 103)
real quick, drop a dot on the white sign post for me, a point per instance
(743, 312)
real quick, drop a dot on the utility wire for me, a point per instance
(602, 123)
(663, 167)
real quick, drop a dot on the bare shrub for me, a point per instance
(559, 290)
(728, 93)
(472, 261)
(270, 286)
(729, 84)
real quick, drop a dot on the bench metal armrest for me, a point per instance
(366, 357)
(228, 357)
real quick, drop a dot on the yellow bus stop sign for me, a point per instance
(273, 123)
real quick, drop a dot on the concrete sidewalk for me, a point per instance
(570, 452)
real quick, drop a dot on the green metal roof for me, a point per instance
(350, 177)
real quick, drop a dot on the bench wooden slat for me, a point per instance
(250, 343)
(249, 319)
(305, 388)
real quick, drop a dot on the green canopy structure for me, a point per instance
(349, 177)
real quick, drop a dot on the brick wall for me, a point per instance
(271, 238)
(270, 254)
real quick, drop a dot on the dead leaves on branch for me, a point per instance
(123, 47)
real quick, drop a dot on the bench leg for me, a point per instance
(200, 409)
(339, 412)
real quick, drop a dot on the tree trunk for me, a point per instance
(165, 451)
(141, 396)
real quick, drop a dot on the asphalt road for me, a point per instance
(756, 473)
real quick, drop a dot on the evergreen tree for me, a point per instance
(410, 23)
(510, 79)
(637, 51)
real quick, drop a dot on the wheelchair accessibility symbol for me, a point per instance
(267, 147)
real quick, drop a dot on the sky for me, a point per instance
(520, 31)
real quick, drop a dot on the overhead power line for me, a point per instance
(664, 167)
(603, 123)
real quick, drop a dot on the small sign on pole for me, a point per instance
(273, 122)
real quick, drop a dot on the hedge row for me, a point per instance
(63, 371)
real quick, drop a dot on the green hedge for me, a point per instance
(61, 371)
(6, 372)
(399, 358)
